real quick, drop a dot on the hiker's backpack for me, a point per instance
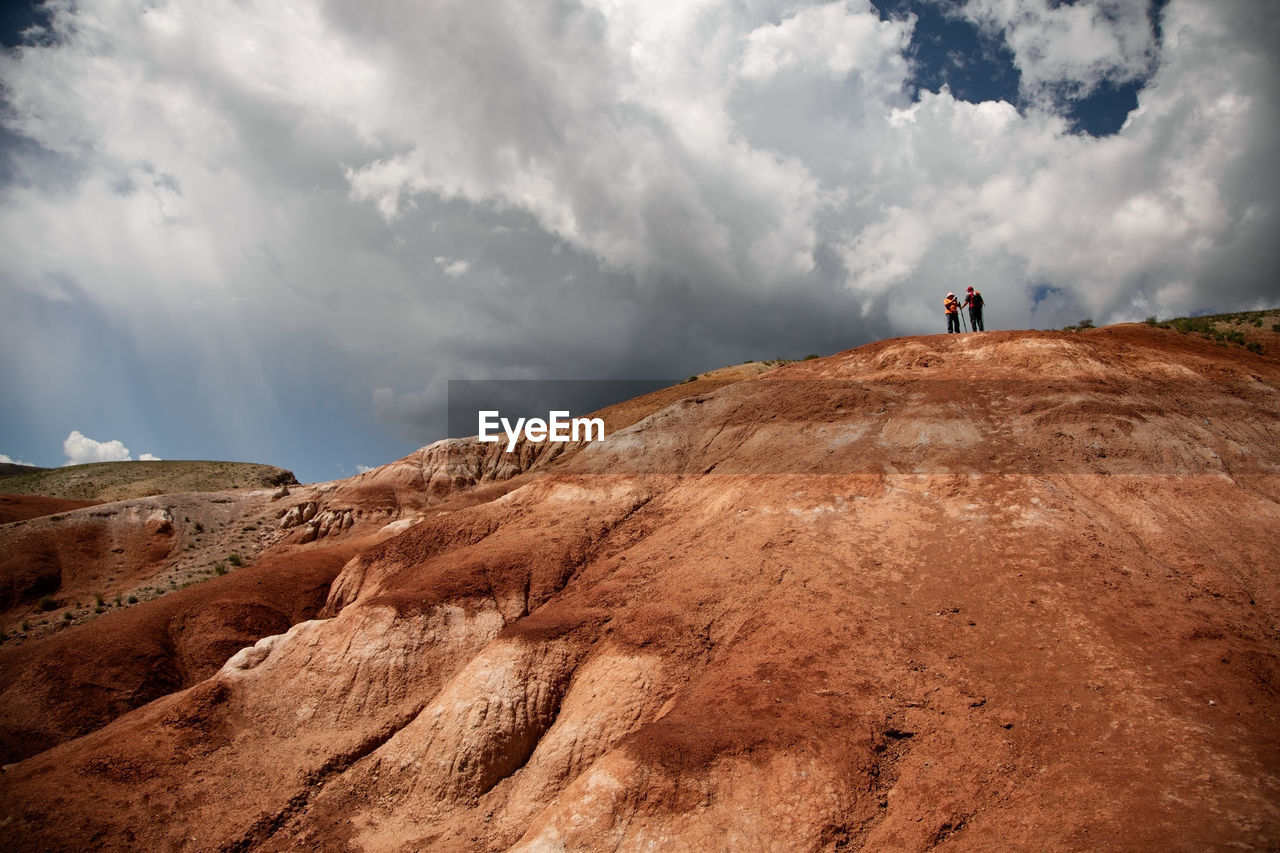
(976, 301)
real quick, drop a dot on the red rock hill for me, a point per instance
(982, 592)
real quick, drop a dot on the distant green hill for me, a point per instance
(113, 481)
(1254, 330)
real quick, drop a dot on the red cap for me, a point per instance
(971, 290)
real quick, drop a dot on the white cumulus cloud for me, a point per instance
(835, 39)
(1071, 47)
(81, 450)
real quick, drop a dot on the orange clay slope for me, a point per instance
(1014, 590)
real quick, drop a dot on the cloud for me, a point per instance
(81, 450)
(836, 39)
(4, 459)
(323, 211)
(1069, 49)
(452, 267)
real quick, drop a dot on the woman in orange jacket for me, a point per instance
(952, 307)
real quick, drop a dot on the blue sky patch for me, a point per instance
(1041, 292)
(16, 17)
(949, 51)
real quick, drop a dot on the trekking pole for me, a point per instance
(963, 324)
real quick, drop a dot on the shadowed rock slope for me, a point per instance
(982, 592)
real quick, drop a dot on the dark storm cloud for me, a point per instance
(332, 209)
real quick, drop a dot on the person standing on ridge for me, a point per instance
(973, 299)
(952, 308)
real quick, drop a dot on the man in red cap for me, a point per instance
(973, 300)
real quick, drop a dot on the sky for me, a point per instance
(274, 230)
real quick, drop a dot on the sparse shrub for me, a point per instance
(220, 569)
(235, 560)
(1254, 347)
(97, 599)
(117, 601)
(199, 527)
(811, 356)
(692, 378)
(66, 617)
(1203, 326)
(46, 603)
(1257, 321)
(133, 599)
(1275, 327)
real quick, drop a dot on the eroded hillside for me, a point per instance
(981, 592)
